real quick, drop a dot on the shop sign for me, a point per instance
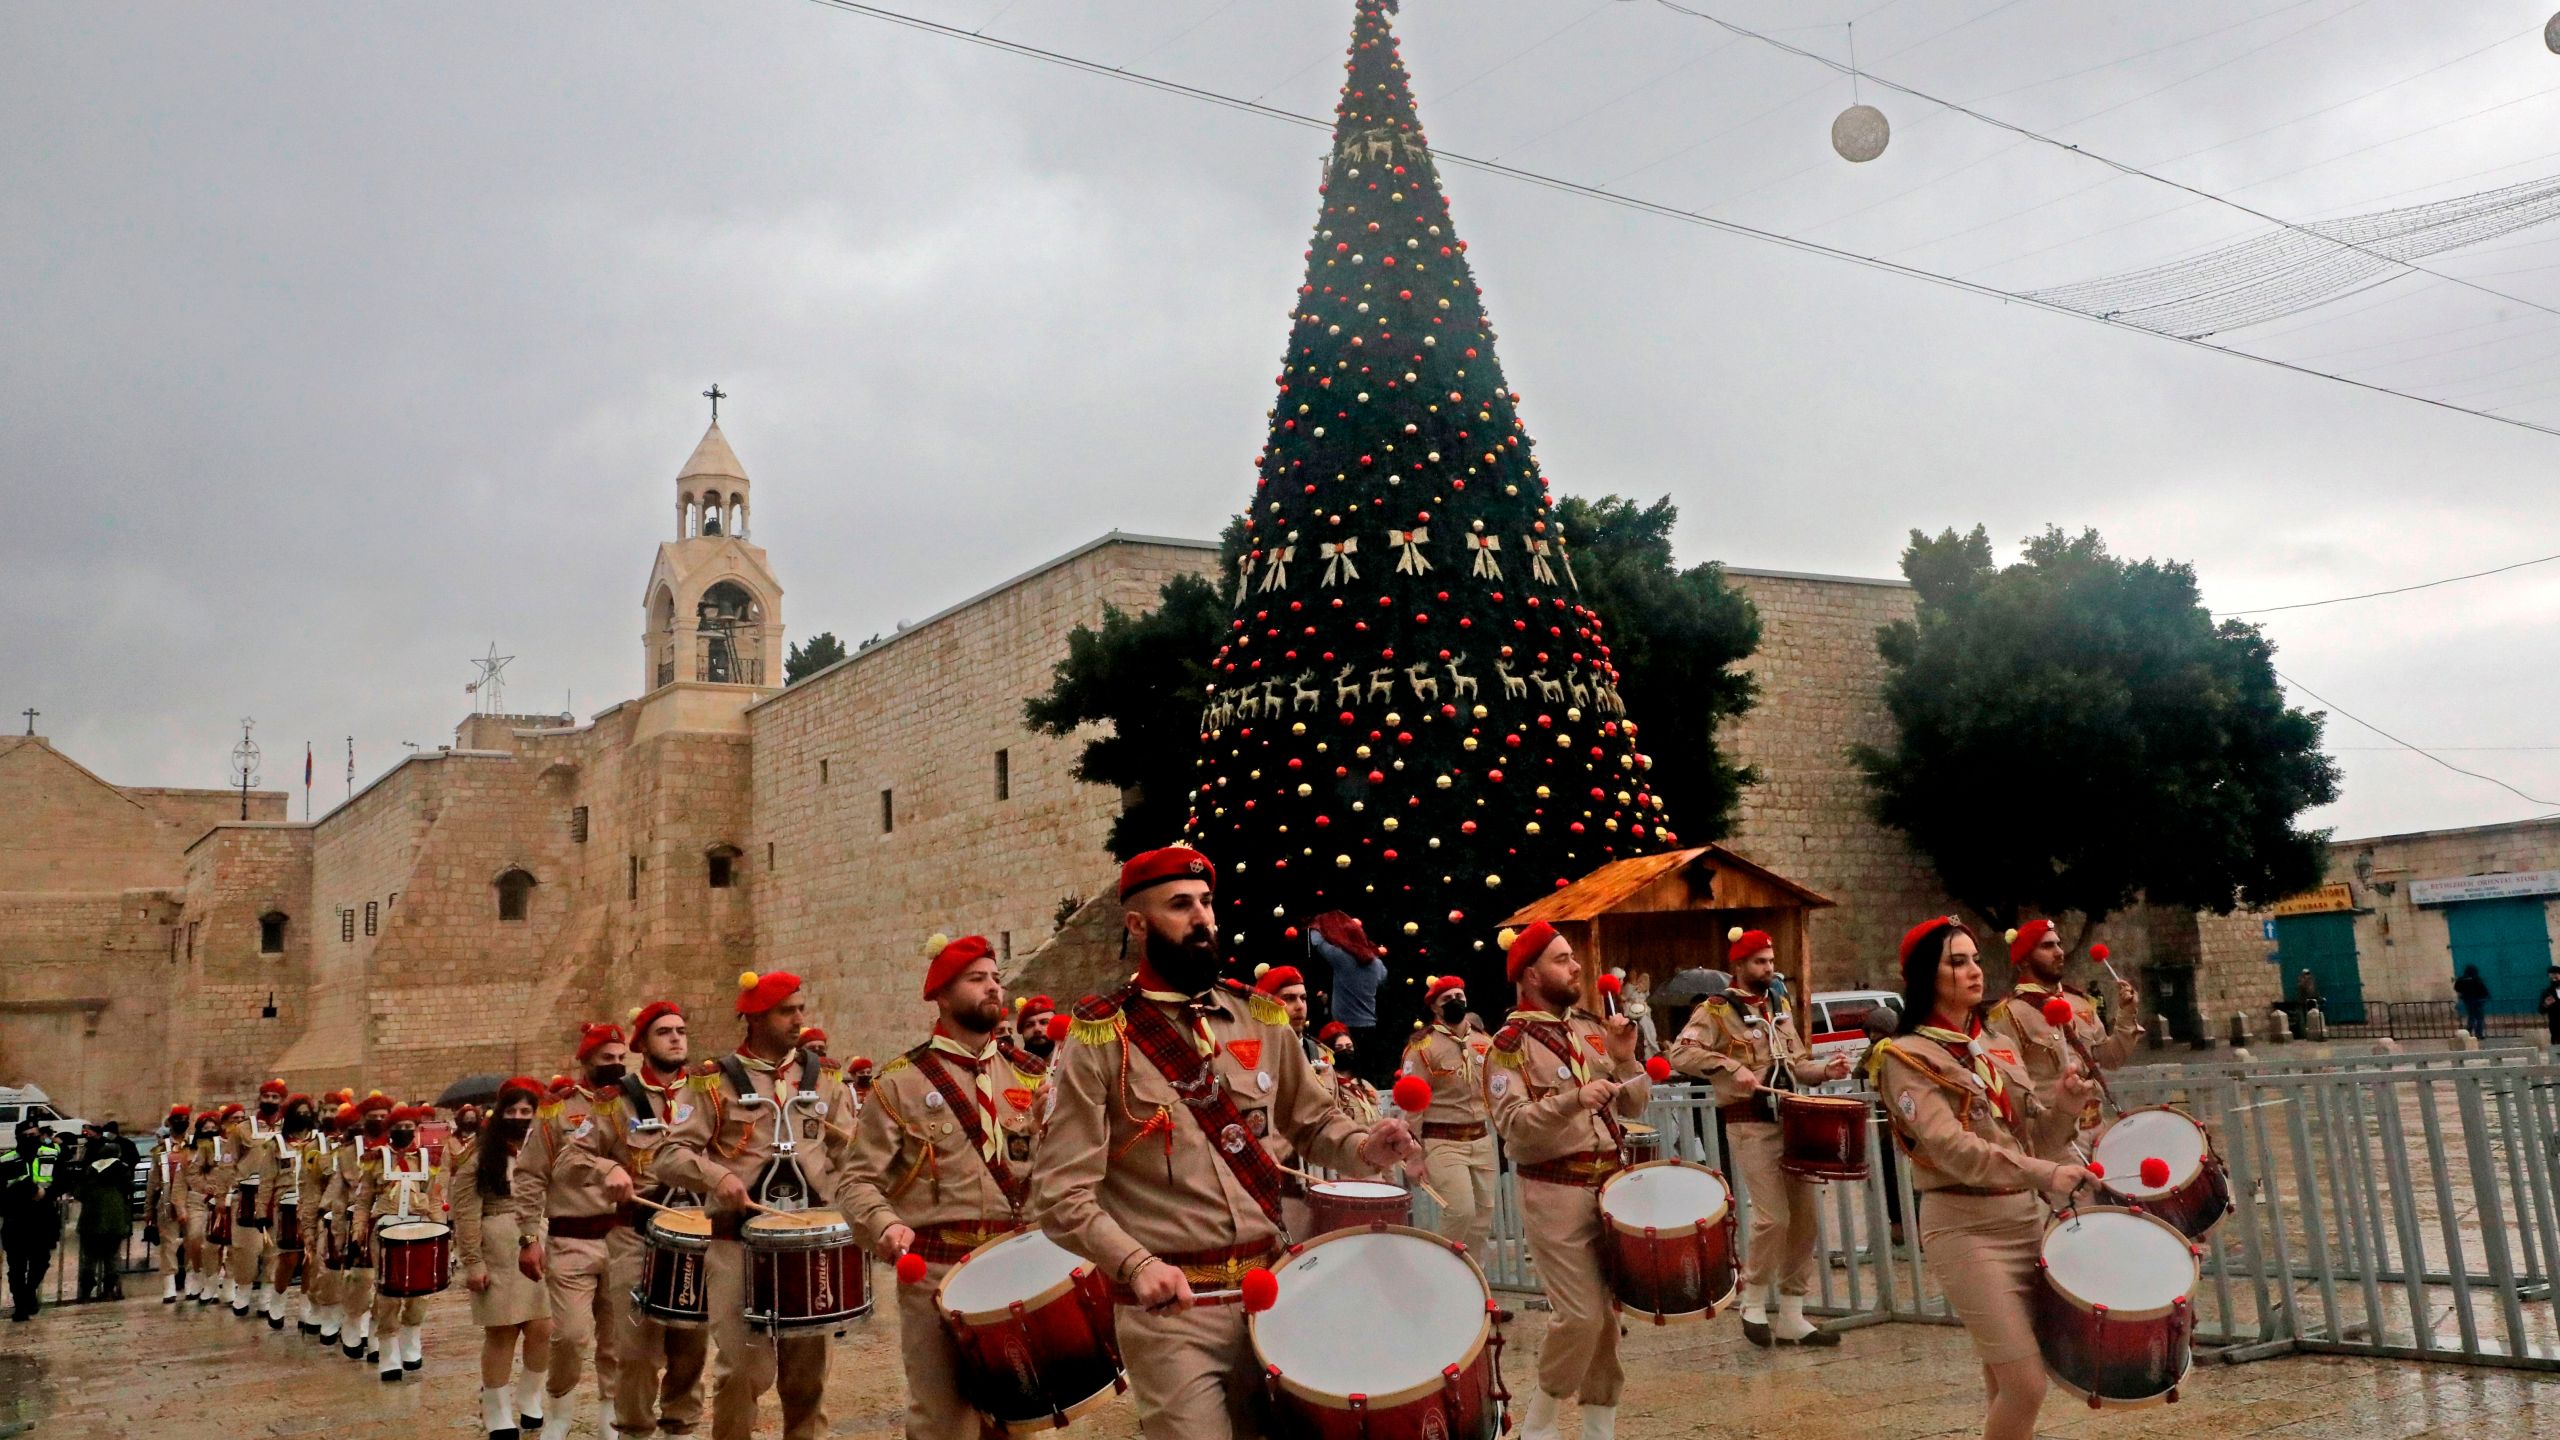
(2485, 887)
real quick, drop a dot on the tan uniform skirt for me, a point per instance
(1982, 1250)
(511, 1299)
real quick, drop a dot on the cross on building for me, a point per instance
(31, 713)
(715, 395)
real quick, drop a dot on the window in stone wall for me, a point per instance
(347, 926)
(723, 865)
(1004, 945)
(635, 878)
(1004, 774)
(768, 854)
(578, 825)
(515, 891)
(191, 938)
(822, 772)
(888, 812)
(372, 918)
(271, 933)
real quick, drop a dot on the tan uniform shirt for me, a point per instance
(1127, 1172)
(553, 1176)
(165, 1192)
(619, 1135)
(2043, 1049)
(912, 1164)
(472, 1210)
(216, 1162)
(319, 1158)
(1455, 1071)
(1531, 1091)
(1734, 1032)
(1954, 1130)
(395, 1183)
(727, 1134)
(346, 1175)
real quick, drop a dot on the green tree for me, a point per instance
(1144, 677)
(2075, 733)
(811, 656)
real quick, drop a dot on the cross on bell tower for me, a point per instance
(714, 609)
(715, 395)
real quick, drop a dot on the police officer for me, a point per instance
(30, 1214)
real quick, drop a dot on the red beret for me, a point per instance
(373, 1104)
(1912, 937)
(1279, 978)
(812, 1035)
(411, 1114)
(560, 1085)
(346, 1115)
(181, 1111)
(292, 1100)
(1527, 946)
(230, 1111)
(2027, 938)
(650, 1014)
(953, 958)
(1744, 944)
(1332, 1029)
(1038, 1005)
(1174, 862)
(597, 1036)
(759, 993)
(524, 1085)
(859, 1062)
(1442, 985)
(272, 1087)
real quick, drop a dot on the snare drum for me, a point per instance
(2197, 1193)
(2112, 1306)
(1033, 1327)
(1383, 1335)
(288, 1227)
(1642, 1143)
(804, 1271)
(1355, 1204)
(1822, 1137)
(1667, 1241)
(674, 1289)
(244, 1206)
(217, 1226)
(416, 1258)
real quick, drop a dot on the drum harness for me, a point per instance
(635, 1093)
(781, 1184)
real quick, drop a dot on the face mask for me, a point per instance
(514, 1131)
(375, 1126)
(1452, 1011)
(1186, 967)
(268, 1108)
(299, 1121)
(1342, 1047)
(403, 1138)
(603, 1075)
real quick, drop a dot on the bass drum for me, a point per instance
(1033, 1327)
(2195, 1194)
(2113, 1307)
(1380, 1335)
(1667, 1241)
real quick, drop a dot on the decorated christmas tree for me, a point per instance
(1415, 720)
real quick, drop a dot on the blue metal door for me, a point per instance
(2325, 945)
(2509, 942)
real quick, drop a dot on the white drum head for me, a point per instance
(1665, 1197)
(1016, 1267)
(415, 1230)
(2126, 1262)
(1372, 1312)
(1357, 1189)
(2142, 1134)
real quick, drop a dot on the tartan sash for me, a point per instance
(963, 1105)
(1196, 1081)
(1563, 1050)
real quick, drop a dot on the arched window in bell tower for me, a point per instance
(730, 621)
(711, 512)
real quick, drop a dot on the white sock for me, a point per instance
(1791, 1322)
(529, 1397)
(497, 1411)
(413, 1344)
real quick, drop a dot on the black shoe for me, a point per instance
(390, 1377)
(309, 1327)
(1820, 1339)
(532, 1424)
(1757, 1332)
(413, 1366)
(352, 1352)
(275, 1322)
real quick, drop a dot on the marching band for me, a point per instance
(1140, 1194)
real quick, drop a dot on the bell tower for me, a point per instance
(713, 608)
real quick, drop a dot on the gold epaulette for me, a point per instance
(896, 1064)
(1266, 1009)
(706, 1078)
(550, 1110)
(1506, 1047)
(1096, 1020)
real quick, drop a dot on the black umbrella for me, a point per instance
(1691, 986)
(471, 1090)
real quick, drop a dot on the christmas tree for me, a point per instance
(1415, 719)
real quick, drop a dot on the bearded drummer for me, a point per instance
(724, 1147)
(399, 1181)
(1560, 1083)
(1739, 1041)
(1457, 1134)
(661, 1366)
(1975, 1130)
(941, 1164)
(2048, 1051)
(565, 1187)
(1152, 1165)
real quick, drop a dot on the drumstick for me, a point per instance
(1436, 1197)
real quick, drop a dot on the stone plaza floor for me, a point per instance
(141, 1369)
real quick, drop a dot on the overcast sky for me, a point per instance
(341, 341)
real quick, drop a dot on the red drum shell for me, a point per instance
(1043, 1361)
(1822, 1137)
(217, 1227)
(288, 1228)
(811, 1277)
(244, 1207)
(1671, 1275)
(2195, 1205)
(1461, 1406)
(1343, 1205)
(675, 1285)
(418, 1261)
(1643, 1143)
(2113, 1359)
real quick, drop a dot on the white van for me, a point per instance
(1840, 1028)
(24, 1102)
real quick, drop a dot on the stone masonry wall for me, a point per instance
(236, 874)
(87, 986)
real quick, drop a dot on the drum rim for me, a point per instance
(383, 1232)
(2176, 1182)
(1614, 1223)
(650, 1234)
(2195, 1262)
(801, 1237)
(1109, 1392)
(1040, 1299)
(2113, 1402)
(1465, 1362)
(1818, 1102)
(1327, 1188)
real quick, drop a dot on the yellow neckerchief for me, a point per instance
(749, 1059)
(1968, 1043)
(1187, 1008)
(990, 1132)
(1581, 1072)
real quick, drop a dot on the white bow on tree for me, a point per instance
(1276, 574)
(1244, 577)
(1412, 561)
(1538, 566)
(1337, 559)
(1485, 546)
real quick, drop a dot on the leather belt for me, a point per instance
(952, 1241)
(582, 1227)
(1219, 1269)
(1585, 1170)
(1452, 1130)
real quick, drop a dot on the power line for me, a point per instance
(2395, 590)
(2405, 745)
(1643, 206)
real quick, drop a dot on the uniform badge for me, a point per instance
(933, 1099)
(1248, 1053)
(1563, 1073)
(680, 1114)
(1232, 1139)
(1017, 1148)
(1599, 1044)
(1258, 1123)
(820, 1107)
(808, 1128)
(1501, 1083)
(1906, 1105)
(1017, 1097)
(1262, 1078)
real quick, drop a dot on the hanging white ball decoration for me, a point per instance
(2551, 34)
(1860, 133)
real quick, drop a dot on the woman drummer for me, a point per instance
(508, 1306)
(1968, 1116)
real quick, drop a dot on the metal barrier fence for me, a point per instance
(2402, 1206)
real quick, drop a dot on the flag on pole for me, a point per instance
(306, 780)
